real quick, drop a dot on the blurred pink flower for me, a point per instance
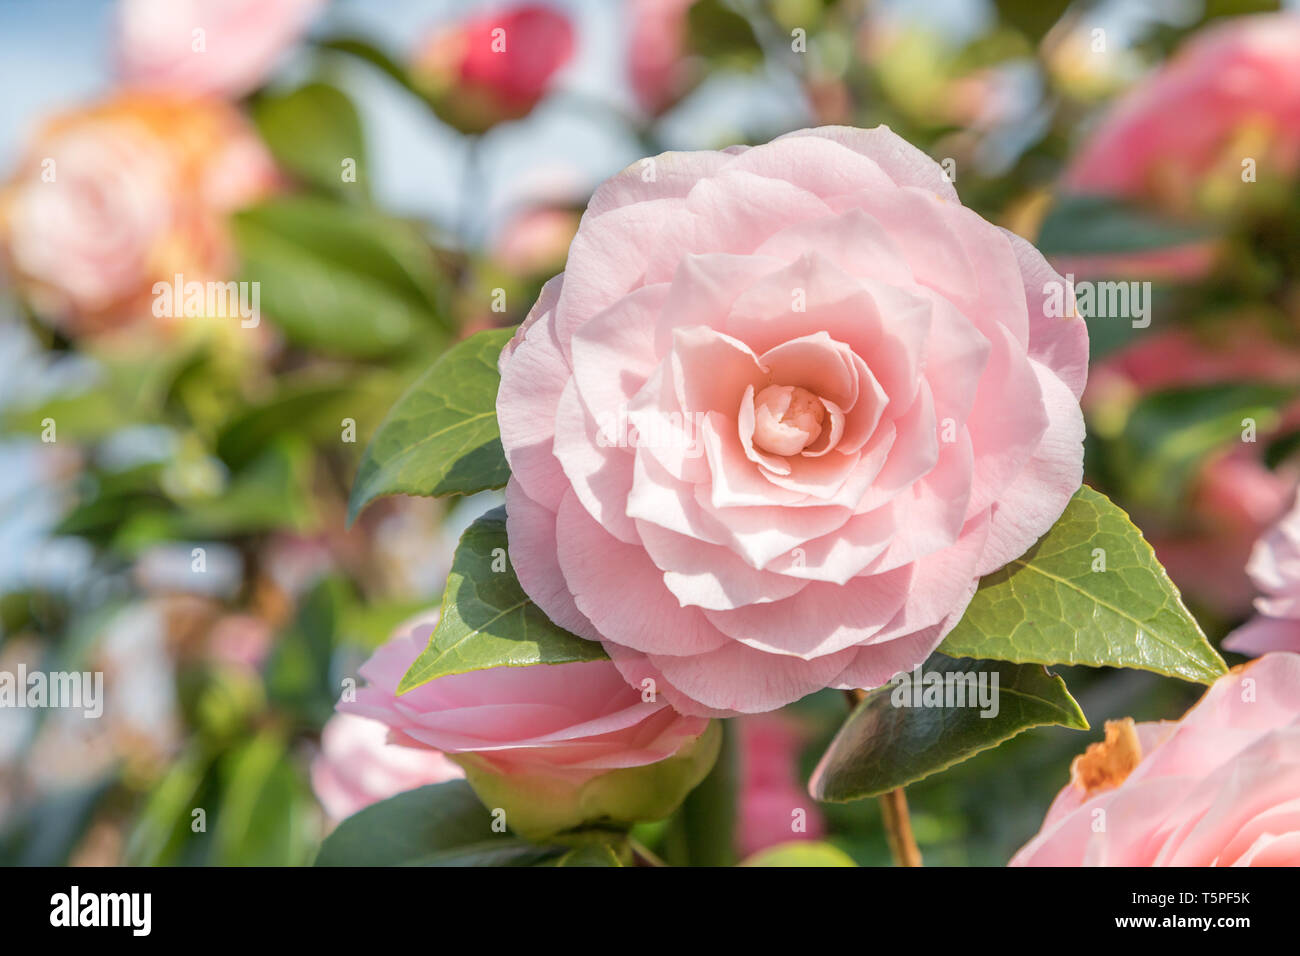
(1236, 496)
(1220, 787)
(657, 67)
(1184, 261)
(770, 793)
(536, 241)
(1181, 357)
(1275, 569)
(220, 47)
(358, 766)
(241, 640)
(556, 745)
(110, 199)
(1181, 122)
(494, 67)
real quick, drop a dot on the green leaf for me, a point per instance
(1085, 225)
(439, 825)
(1169, 435)
(800, 853)
(162, 834)
(1050, 606)
(592, 854)
(888, 741)
(718, 33)
(441, 438)
(487, 620)
(339, 278)
(310, 405)
(261, 820)
(311, 131)
(1033, 17)
(273, 491)
(299, 672)
(367, 52)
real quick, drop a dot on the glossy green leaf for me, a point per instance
(1090, 591)
(441, 438)
(439, 825)
(487, 620)
(899, 734)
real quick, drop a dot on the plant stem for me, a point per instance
(643, 855)
(898, 828)
(893, 812)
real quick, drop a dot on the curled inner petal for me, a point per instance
(787, 419)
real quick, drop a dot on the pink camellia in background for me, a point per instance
(219, 47)
(774, 807)
(111, 199)
(493, 68)
(657, 66)
(782, 410)
(1221, 787)
(535, 241)
(357, 766)
(1239, 80)
(1275, 569)
(554, 745)
(1236, 496)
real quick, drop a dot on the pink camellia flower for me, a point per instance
(206, 47)
(1221, 787)
(782, 410)
(1274, 566)
(493, 68)
(657, 66)
(109, 200)
(774, 808)
(554, 745)
(1240, 79)
(358, 766)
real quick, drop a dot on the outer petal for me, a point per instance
(534, 374)
(1035, 499)
(618, 588)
